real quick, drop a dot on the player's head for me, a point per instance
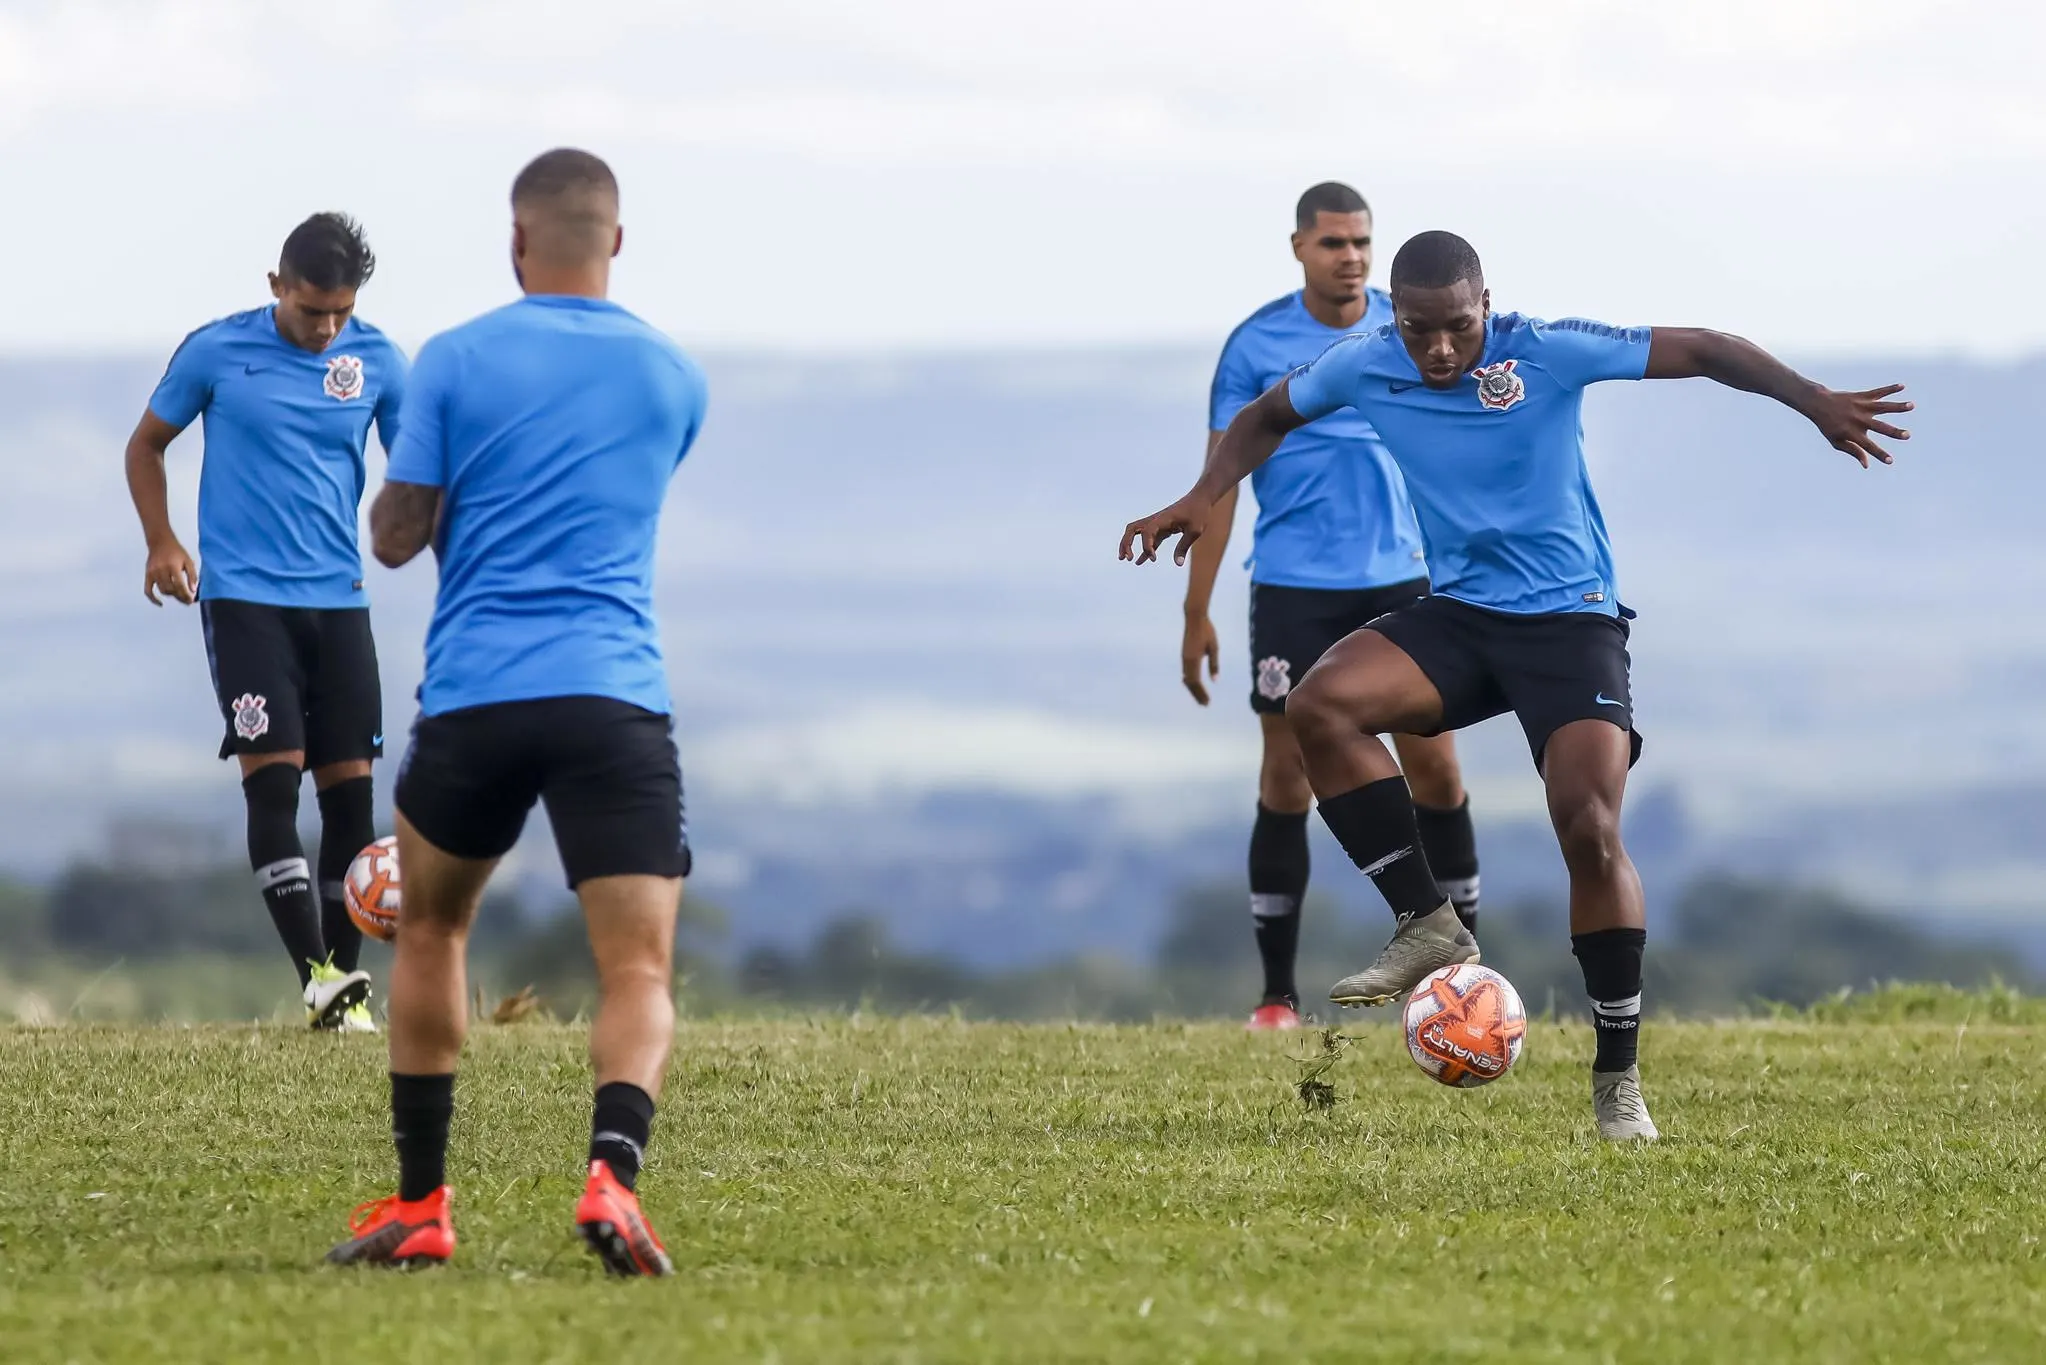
(325, 260)
(1440, 303)
(1332, 241)
(564, 219)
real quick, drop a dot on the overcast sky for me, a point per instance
(1832, 175)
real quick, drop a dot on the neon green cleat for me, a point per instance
(357, 1019)
(333, 993)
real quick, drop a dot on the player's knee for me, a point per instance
(1433, 776)
(1314, 712)
(1589, 833)
(1282, 780)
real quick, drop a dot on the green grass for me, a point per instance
(934, 1190)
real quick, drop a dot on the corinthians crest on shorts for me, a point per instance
(251, 716)
(1274, 678)
(344, 377)
(1499, 388)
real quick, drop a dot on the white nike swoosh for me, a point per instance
(1387, 861)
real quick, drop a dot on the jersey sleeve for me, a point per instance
(187, 383)
(391, 399)
(1578, 351)
(420, 454)
(697, 393)
(1329, 382)
(1235, 384)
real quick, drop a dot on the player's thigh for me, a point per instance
(631, 921)
(1368, 683)
(344, 694)
(1435, 675)
(468, 781)
(613, 788)
(442, 890)
(258, 677)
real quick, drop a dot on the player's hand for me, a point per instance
(1199, 643)
(1185, 519)
(1847, 419)
(171, 572)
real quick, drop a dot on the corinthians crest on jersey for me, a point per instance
(344, 377)
(1499, 388)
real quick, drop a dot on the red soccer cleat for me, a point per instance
(609, 1219)
(1272, 1016)
(392, 1231)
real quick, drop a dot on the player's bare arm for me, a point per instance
(1250, 440)
(1199, 641)
(1848, 421)
(169, 570)
(402, 521)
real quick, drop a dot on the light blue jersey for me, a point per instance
(1495, 465)
(283, 474)
(1331, 510)
(552, 427)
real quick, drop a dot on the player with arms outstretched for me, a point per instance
(1335, 546)
(538, 451)
(287, 393)
(1482, 413)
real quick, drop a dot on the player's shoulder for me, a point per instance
(225, 330)
(1269, 318)
(1363, 349)
(1526, 333)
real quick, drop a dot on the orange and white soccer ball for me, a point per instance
(371, 889)
(1465, 1025)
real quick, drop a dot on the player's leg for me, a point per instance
(1286, 637)
(462, 800)
(1372, 683)
(1443, 811)
(1279, 868)
(259, 678)
(344, 736)
(1569, 680)
(614, 796)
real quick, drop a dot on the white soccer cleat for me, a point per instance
(1622, 1113)
(357, 1019)
(1422, 944)
(332, 993)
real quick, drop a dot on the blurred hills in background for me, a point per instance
(914, 686)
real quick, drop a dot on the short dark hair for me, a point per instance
(1435, 260)
(561, 171)
(327, 251)
(1330, 196)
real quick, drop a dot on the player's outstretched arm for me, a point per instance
(402, 521)
(1848, 421)
(169, 570)
(1252, 437)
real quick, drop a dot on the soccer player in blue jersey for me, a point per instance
(1335, 547)
(1482, 413)
(286, 393)
(537, 451)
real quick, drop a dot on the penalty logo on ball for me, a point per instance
(1465, 1025)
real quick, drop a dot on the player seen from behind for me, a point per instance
(1335, 546)
(1482, 413)
(536, 455)
(286, 393)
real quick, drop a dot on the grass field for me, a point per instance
(1831, 1189)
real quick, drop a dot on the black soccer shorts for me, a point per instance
(1548, 670)
(1290, 628)
(607, 771)
(292, 678)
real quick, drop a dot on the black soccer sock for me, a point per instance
(1375, 825)
(1278, 883)
(1452, 846)
(1611, 959)
(347, 826)
(619, 1129)
(278, 859)
(420, 1109)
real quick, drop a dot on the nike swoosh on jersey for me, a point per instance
(1400, 388)
(1601, 699)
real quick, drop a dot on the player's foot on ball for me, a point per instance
(332, 993)
(1422, 944)
(1622, 1113)
(609, 1219)
(393, 1231)
(1274, 1014)
(357, 1019)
